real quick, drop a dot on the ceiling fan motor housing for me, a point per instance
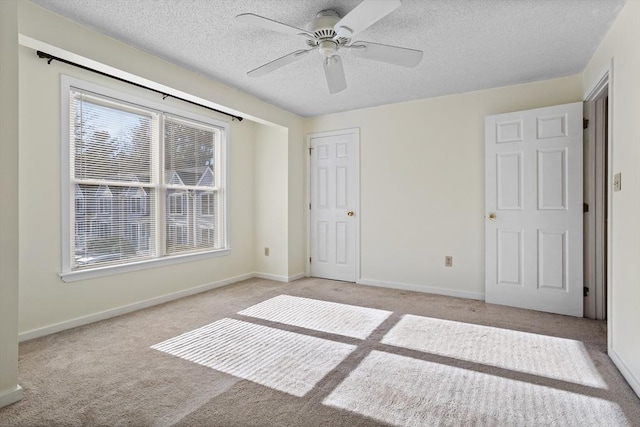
(322, 27)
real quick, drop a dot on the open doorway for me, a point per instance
(596, 196)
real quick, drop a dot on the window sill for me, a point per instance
(74, 276)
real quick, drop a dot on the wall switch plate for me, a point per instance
(617, 182)
(448, 261)
(266, 251)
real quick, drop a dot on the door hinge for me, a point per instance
(309, 205)
(585, 123)
(310, 148)
(585, 207)
(585, 291)
(309, 260)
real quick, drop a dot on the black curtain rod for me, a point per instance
(164, 95)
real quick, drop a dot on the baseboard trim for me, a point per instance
(107, 314)
(298, 276)
(278, 277)
(625, 371)
(11, 397)
(421, 288)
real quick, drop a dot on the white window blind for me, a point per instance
(190, 152)
(142, 184)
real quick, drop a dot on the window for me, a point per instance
(206, 204)
(144, 180)
(136, 205)
(104, 206)
(176, 204)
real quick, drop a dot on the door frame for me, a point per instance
(605, 80)
(348, 131)
(596, 186)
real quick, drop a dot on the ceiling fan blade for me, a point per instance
(389, 54)
(270, 24)
(278, 63)
(364, 15)
(334, 72)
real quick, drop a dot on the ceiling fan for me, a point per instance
(328, 33)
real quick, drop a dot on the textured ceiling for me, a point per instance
(468, 44)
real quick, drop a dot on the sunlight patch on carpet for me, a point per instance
(408, 392)
(285, 361)
(340, 319)
(550, 357)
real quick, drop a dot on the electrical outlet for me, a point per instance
(266, 251)
(448, 261)
(617, 182)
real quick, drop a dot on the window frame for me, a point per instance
(68, 187)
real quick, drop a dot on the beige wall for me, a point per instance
(297, 202)
(8, 203)
(270, 216)
(45, 301)
(422, 183)
(622, 44)
(44, 298)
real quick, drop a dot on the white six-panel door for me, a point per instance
(333, 208)
(533, 179)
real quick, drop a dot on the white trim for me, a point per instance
(600, 84)
(593, 185)
(606, 77)
(625, 371)
(356, 131)
(107, 314)
(422, 288)
(298, 276)
(278, 277)
(307, 209)
(74, 276)
(11, 397)
(611, 143)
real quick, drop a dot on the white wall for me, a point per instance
(622, 43)
(9, 391)
(422, 183)
(45, 301)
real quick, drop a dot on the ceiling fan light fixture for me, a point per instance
(327, 48)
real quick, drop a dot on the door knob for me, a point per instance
(491, 216)
(350, 213)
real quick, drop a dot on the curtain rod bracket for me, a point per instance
(50, 58)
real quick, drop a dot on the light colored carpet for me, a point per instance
(342, 319)
(543, 355)
(405, 391)
(247, 355)
(283, 360)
